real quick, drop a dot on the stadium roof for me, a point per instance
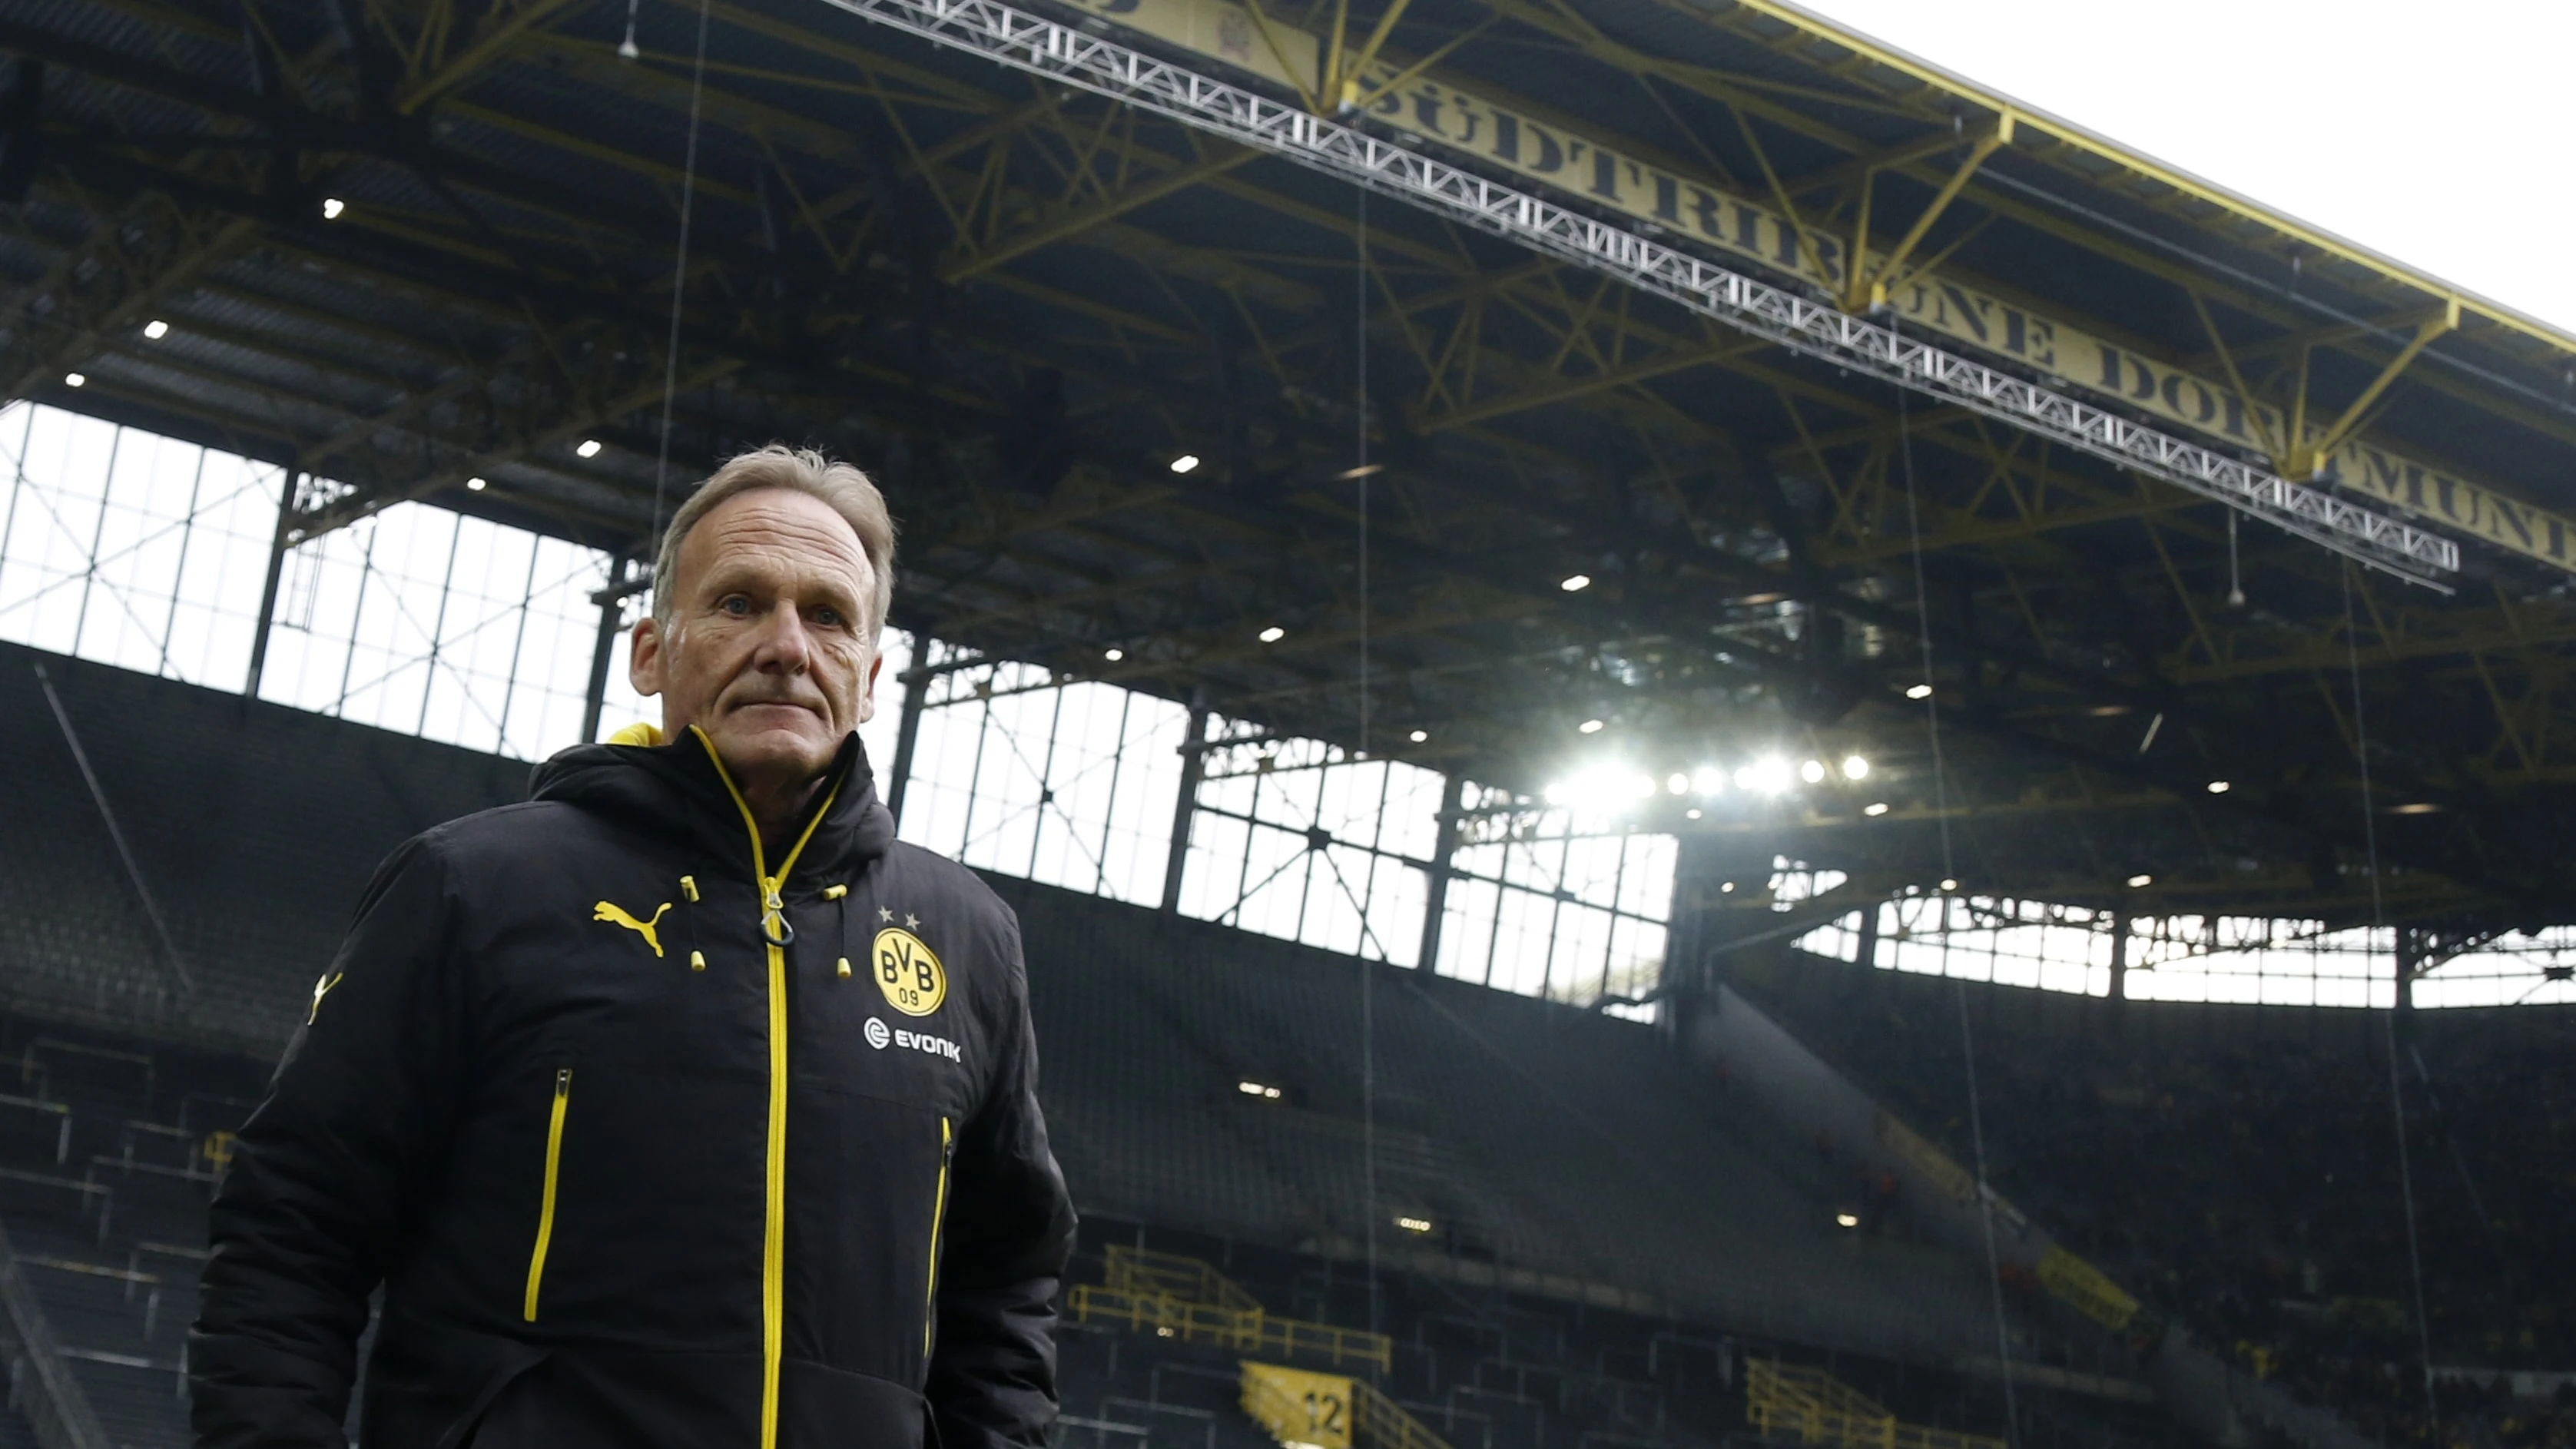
(404, 245)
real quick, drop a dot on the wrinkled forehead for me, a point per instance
(779, 536)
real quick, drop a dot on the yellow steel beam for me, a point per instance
(1344, 85)
(2307, 453)
(1945, 83)
(1868, 290)
(1074, 222)
(494, 36)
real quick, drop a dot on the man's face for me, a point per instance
(767, 646)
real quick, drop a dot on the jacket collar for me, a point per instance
(678, 791)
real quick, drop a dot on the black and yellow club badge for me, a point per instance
(909, 973)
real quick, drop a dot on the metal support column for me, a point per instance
(2410, 963)
(612, 621)
(2120, 956)
(1865, 955)
(277, 547)
(1185, 803)
(907, 734)
(1435, 905)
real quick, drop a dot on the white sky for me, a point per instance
(2433, 133)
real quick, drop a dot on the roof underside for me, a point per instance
(1016, 303)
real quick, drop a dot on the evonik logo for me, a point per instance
(880, 1037)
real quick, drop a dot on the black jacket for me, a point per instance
(630, 1174)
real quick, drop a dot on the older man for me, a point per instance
(678, 1106)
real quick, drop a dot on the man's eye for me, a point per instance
(736, 605)
(828, 617)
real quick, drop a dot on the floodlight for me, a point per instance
(1590, 727)
(1185, 462)
(589, 448)
(1813, 772)
(1920, 691)
(1855, 768)
(1576, 583)
(1273, 634)
(332, 206)
(156, 329)
(75, 379)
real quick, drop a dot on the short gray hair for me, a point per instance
(848, 491)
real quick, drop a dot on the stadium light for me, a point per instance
(1418, 736)
(156, 329)
(1708, 780)
(1185, 463)
(1273, 634)
(1263, 1090)
(2141, 881)
(1113, 655)
(1855, 768)
(1678, 783)
(1414, 1225)
(1690, 814)
(1589, 727)
(1874, 808)
(1920, 691)
(332, 206)
(1769, 777)
(1949, 884)
(589, 448)
(75, 379)
(476, 485)
(1576, 583)
(1846, 1220)
(1813, 772)
(2218, 787)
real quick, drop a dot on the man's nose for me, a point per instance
(784, 643)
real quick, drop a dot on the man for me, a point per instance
(680, 1106)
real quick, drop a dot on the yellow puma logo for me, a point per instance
(610, 911)
(321, 987)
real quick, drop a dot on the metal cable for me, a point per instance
(1368, 973)
(1949, 878)
(2396, 1083)
(679, 279)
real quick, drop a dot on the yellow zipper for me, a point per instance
(546, 1204)
(938, 1216)
(774, 930)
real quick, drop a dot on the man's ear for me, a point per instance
(644, 659)
(868, 693)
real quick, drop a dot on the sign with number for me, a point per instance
(1310, 1410)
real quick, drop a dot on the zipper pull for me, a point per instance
(774, 924)
(563, 1082)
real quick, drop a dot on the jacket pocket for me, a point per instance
(546, 1199)
(938, 1219)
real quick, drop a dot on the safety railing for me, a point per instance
(1144, 1271)
(1812, 1406)
(1244, 1330)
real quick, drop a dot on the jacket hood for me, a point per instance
(676, 790)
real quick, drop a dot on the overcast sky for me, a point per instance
(2433, 133)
